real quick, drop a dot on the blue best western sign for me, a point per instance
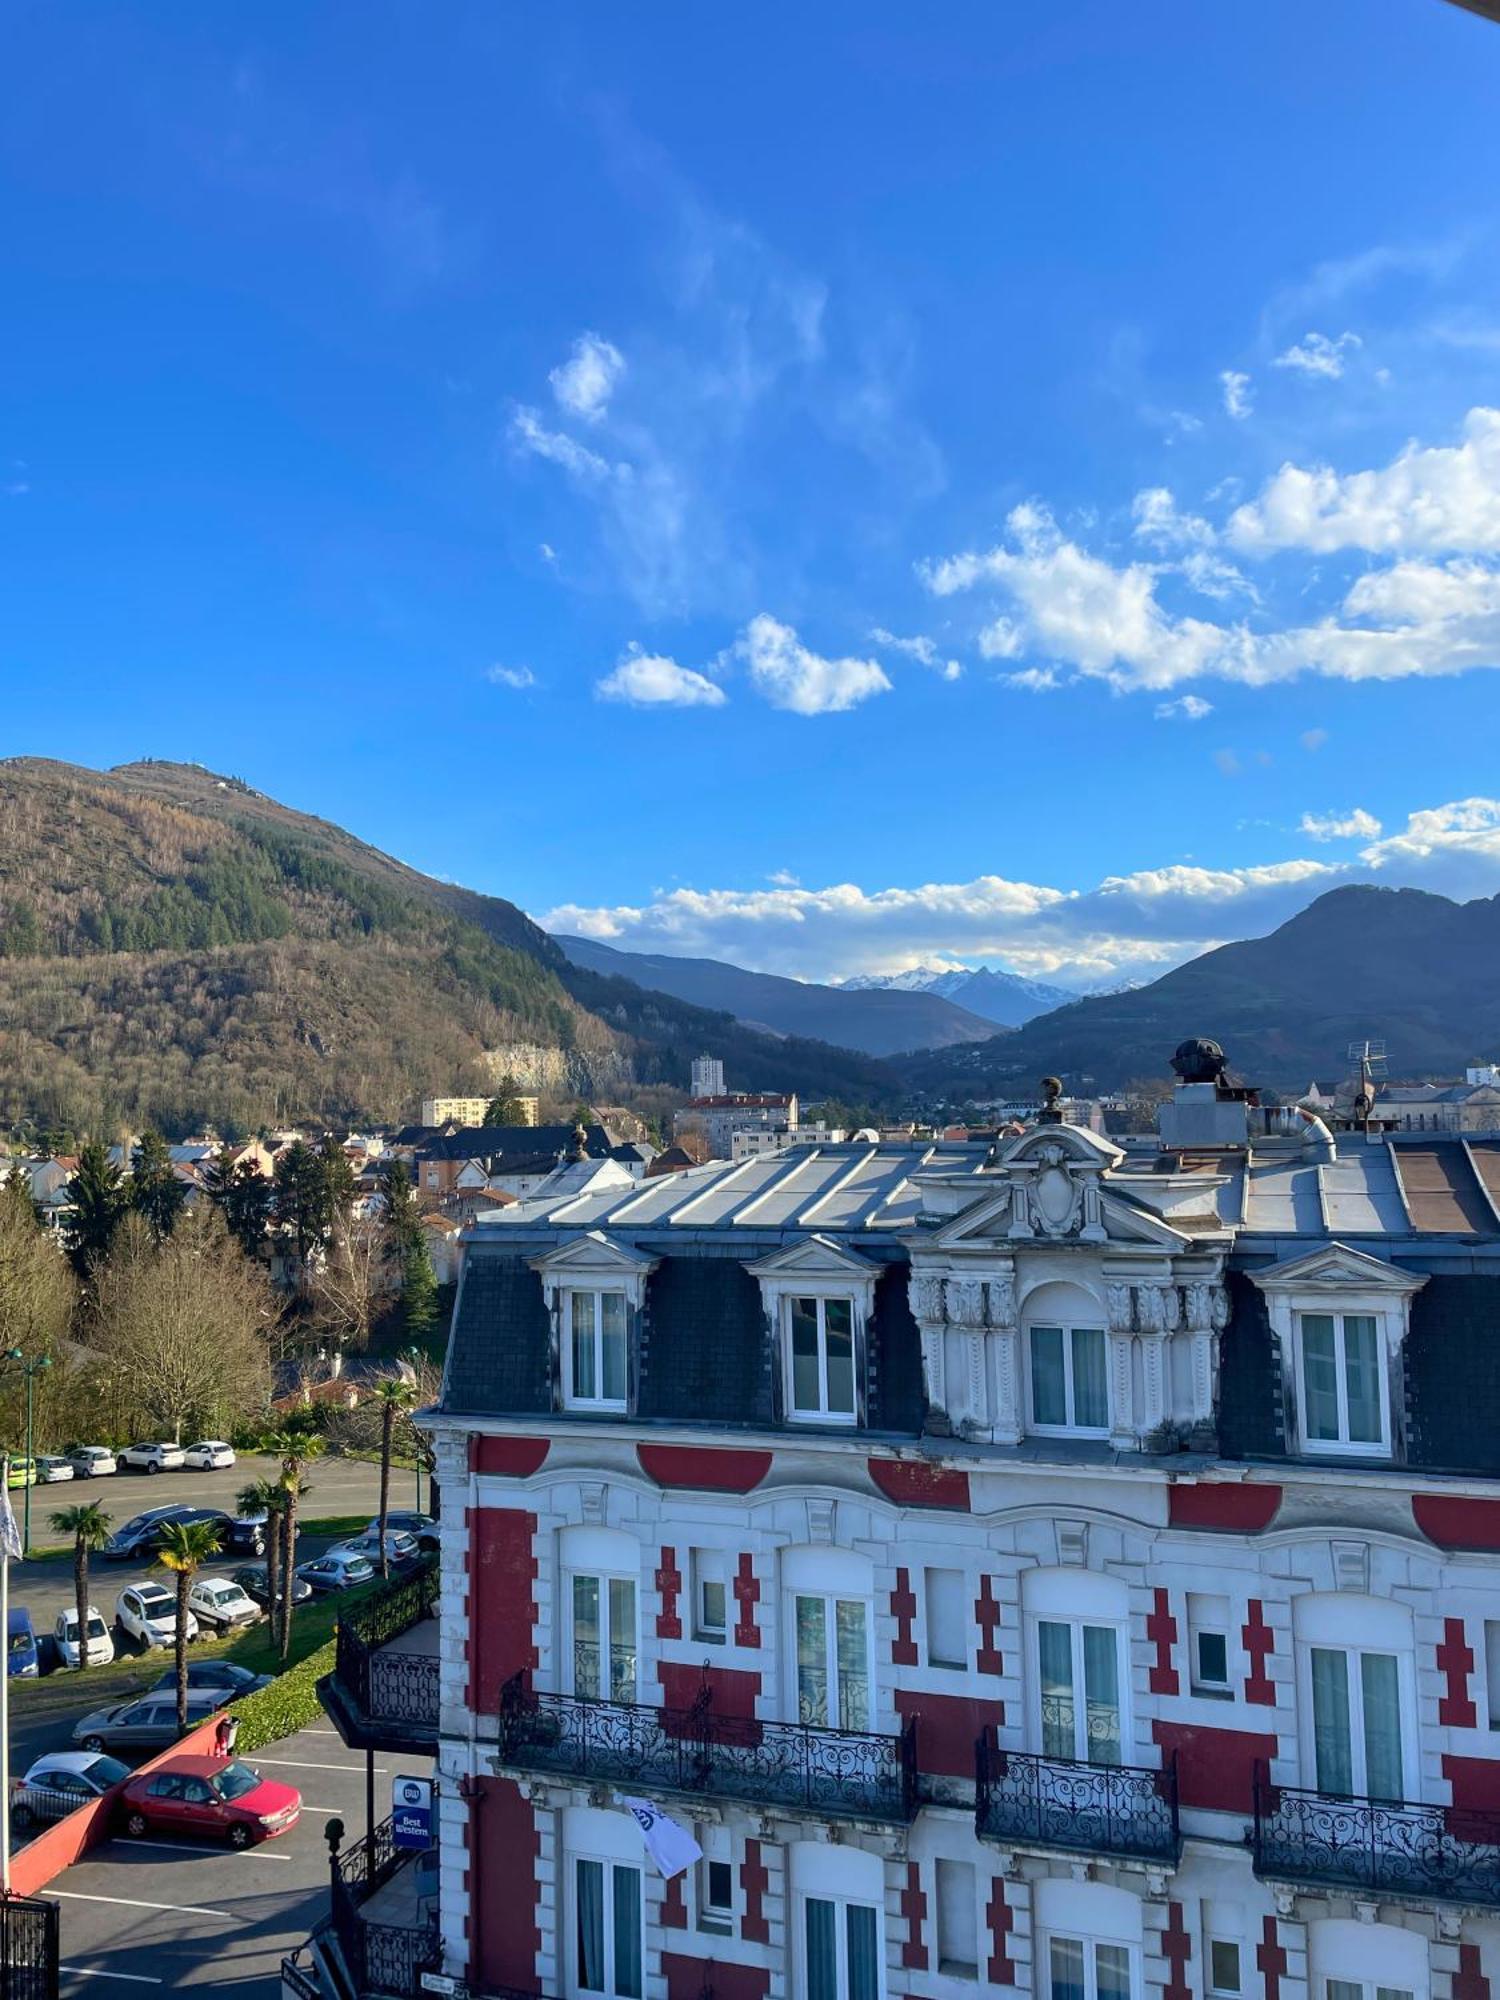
(411, 1812)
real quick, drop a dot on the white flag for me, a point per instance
(10, 1534)
(670, 1846)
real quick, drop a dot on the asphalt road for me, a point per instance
(165, 1913)
(339, 1486)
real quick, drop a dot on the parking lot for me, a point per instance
(164, 1913)
(340, 1487)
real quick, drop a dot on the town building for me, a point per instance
(747, 1144)
(707, 1076)
(719, 1118)
(1033, 1566)
(471, 1110)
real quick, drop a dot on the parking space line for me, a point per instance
(203, 1853)
(103, 1972)
(134, 1903)
(294, 1764)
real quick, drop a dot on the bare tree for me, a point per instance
(184, 1325)
(352, 1284)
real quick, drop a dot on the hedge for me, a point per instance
(290, 1703)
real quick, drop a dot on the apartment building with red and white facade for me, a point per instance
(1054, 1568)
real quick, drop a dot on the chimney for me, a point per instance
(1207, 1113)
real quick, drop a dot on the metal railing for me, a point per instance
(28, 1948)
(381, 1686)
(380, 1958)
(300, 1980)
(1447, 1853)
(841, 1773)
(1083, 1808)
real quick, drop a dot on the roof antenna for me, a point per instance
(1370, 1055)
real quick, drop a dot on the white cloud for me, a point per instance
(1125, 926)
(1236, 388)
(584, 383)
(651, 680)
(1313, 739)
(1354, 825)
(1315, 354)
(1186, 708)
(1162, 524)
(512, 677)
(546, 551)
(1436, 499)
(557, 447)
(921, 649)
(791, 676)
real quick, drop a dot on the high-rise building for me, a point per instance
(1041, 1567)
(708, 1076)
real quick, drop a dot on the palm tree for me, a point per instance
(395, 1394)
(88, 1525)
(266, 1496)
(184, 1548)
(294, 1449)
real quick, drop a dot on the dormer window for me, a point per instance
(1343, 1383)
(1069, 1380)
(821, 1348)
(595, 1350)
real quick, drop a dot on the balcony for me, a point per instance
(1057, 1803)
(383, 1691)
(834, 1773)
(1439, 1854)
(384, 1917)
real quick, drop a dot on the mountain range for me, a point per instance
(876, 1020)
(1002, 997)
(1416, 970)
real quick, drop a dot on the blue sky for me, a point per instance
(820, 486)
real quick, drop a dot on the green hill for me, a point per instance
(178, 948)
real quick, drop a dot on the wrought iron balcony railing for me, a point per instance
(1083, 1808)
(380, 1958)
(839, 1773)
(375, 1690)
(1444, 1853)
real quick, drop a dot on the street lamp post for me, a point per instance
(29, 1372)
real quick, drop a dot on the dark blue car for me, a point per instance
(21, 1655)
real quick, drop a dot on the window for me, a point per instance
(1208, 1641)
(1362, 1989)
(957, 1920)
(833, 1662)
(1492, 1669)
(1223, 1957)
(1343, 1382)
(947, 1618)
(710, 1581)
(715, 1881)
(594, 1350)
(1087, 1969)
(1069, 1382)
(603, 1636)
(822, 1358)
(841, 1946)
(1078, 1673)
(607, 1929)
(1356, 1704)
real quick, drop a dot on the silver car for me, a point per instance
(146, 1722)
(61, 1781)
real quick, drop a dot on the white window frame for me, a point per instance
(820, 1301)
(830, 1597)
(1210, 1985)
(1070, 1428)
(842, 1904)
(1091, 1945)
(708, 1566)
(1343, 1446)
(598, 1293)
(609, 1863)
(1197, 1626)
(603, 1578)
(1339, 1622)
(714, 1919)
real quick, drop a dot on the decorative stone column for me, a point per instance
(1005, 1359)
(926, 1296)
(965, 1309)
(1119, 1308)
(1206, 1315)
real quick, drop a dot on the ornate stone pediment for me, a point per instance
(814, 1257)
(1337, 1267)
(1050, 1200)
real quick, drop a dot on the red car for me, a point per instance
(204, 1795)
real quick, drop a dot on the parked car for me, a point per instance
(59, 1782)
(145, 1722)
(215, 1601)
(251, 1578)
(93, 1461)
(401, 1549)
(247, 1532)
(22, 1472)
(232, 1682)
(152, 1458)
(147, 1613)
(338, 1570)
(101, 1648)
(21, 1656)
(211, 1455)
(407, 1522)
(51, 1469)
(206, 1796)
(141, 1535)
